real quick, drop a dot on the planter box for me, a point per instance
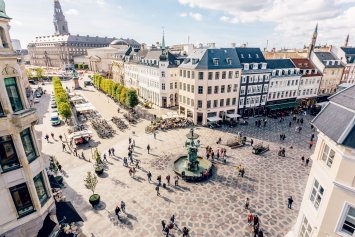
(99, 171)
(94, 199)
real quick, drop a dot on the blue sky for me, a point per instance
(283, 23)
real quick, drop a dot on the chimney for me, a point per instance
(211, 45)
(233, 45)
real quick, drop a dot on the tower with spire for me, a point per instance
(313, 42)
(60, 23)
(346, 41)
(163, 56)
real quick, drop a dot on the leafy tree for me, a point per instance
(29, 73)
(131, 98)
(91, 182)
(64, 110)
(123, 95)
(39, 72)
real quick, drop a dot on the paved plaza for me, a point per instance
(209, 209)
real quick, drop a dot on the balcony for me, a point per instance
(24, 117)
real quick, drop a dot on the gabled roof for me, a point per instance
(279, 63)
(156, 53)
(349, 54)
(306, 64)
(337, 119)
(326, 56)
(250, 55)
(205, 59)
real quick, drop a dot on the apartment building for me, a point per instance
(283, 85)
(209, 81)
(254, 82)
(309, 81)
(328, 205)
(347, 56)
(24, 188)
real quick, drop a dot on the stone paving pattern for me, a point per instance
(210, 209)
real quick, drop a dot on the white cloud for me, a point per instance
(196, 16)
(16, 23)
(183, 14)
(294, 20)
(101, 2)
(72, 12)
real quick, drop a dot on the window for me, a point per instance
(188, 101)
(234, 101)
(208, 104)
(184, 99)
(348, 222)
(236, 75)
(228, 101)
(200, 89)
(180, 86)
(235, 87)
(328, 155)
(171, 86)
(216, 76)
(8, 156)
(241, 101)
(188, 74)
(28, 145)
(1, 111)
(163, 86)
(215, 103)
(223, 75)
(306, 229)
(192, 75)
(244, 80)
(22, 199)
(13, 94)
(162, 74)
(41, 189)
(216, 89)
(221, 102)
(209, 90)
(229, 88)
(210, 75)
(200, 75)
(176, 85)
(223, 88)
(199, 103)
(242, 90)
(180, 72)
(230, 75)
(192, 102)
(316, 194)
(184, 73)
(188, 87)
(192, 89)
(184, 86)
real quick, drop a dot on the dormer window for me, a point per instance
(195, 60)
(263, 65)
(216, 61)
(257, 55)
(241, 55)
(229, 61)
(187, 60)
(255, 66)
(246, 66)
(177, 62)
(249, 56)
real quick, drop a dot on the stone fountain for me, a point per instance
(192, 167)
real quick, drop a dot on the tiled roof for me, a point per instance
(326, 56)
(250, 55)
(349, 54)
(337, 119)
(305, 63)
(279, 63)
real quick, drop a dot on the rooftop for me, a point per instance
(327, 56)
(250, 55)
(349, 54)
(279, 63)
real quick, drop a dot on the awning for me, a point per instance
(47, 228)
(214, 119)
(66, 213)
(288, 105)
(233, 115)
(80, 134)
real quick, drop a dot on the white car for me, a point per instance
(35, 100)
(54, 110)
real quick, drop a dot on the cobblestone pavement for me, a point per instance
(210, 209)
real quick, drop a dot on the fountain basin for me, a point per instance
(203, 171)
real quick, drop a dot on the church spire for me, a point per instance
(60, 24)
(163, 42)
(313, 42)
(163, 56)
(346, 41)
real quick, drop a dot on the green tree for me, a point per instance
(131, 98)
(64, 110)
(39, 72)
(29, 73)
(123, 95)
(91, 182)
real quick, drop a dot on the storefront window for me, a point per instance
(28, 145)
(41, 188)
(8, 156)
(13, 94)
(22, 199)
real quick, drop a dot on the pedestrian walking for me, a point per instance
(247, 204)
(137, 163)
(290, 124)
(176, 180)
(125, 161)
(302, 159)
(167, 230)
(155, 135)
(149, 176)
(256, 219)
(60, 137)
(242, 172)
(307, 161)
(290, 201)
(123, 206)
(64, 147)
(75, 152)
(312, 137)
(301, 120)
(117, 212)
(185, 232)
(82, 155)
(168, 179)
(46, 137)
(163, 224)
(52, 135)
(310, 145)
(159, 180)
(250, 218)
(113, 151)
(172, 219)
(148, 148)
(134, 143)
(157, 189)
(129, 140)
(261, 233)
(109, 152)
(105, 158)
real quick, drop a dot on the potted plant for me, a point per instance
(99, 170)
(55, 167)
(90, 183)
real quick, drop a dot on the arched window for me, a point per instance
(3, 38)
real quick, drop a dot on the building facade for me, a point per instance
(60, 49)
(209, 81)
(283, 85)
(309, 81)
(24, 188)
(254, 82)
(347, 56)
(332, 70)
(328, 205)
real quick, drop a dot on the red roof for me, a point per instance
(305, 63)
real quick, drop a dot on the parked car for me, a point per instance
(35, 100)
(53, 105)
(54, 110)
(55, 119)
(38, 95)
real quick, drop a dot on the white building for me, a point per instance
(24, 188)
(283, 85)
(209, 81)
(347, 56)
(328, 205)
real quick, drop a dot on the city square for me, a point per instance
(212, 208)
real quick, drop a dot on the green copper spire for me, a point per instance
(2, 10)
(163, 41)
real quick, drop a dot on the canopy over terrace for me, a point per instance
(84, 108)
(171, 115)
(214, 119)
(233, 116)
